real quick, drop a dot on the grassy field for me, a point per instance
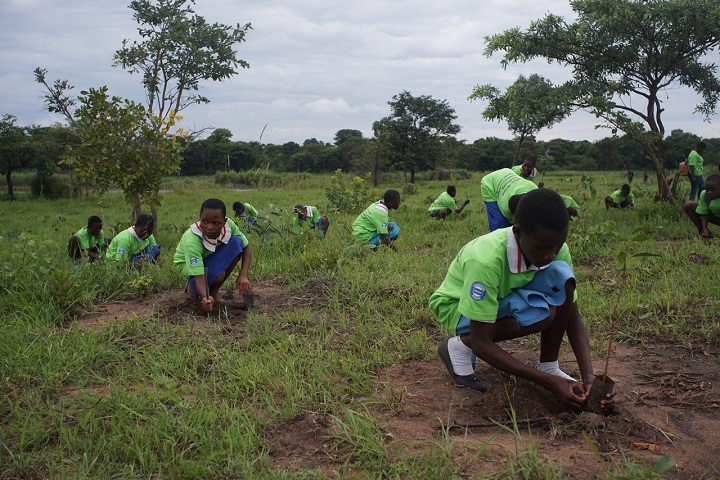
(149, 396)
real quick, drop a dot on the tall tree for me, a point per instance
(625, 55)
(528, 105)
(416, 127)
(15, 150)
(178, 50)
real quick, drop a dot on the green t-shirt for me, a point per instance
(518, 169)
(444, 201)
(373, 220)
(502, 184)
(617, 197)
(249, 213)
(570, 202)
(705, 208)
(126, 245)
(310, 220)
(191, 251)
(86, 241)
(485, 270)
(695, 162)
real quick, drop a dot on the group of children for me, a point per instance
(515, 281)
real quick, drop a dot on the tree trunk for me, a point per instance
(412, 175)
(136, 211)
(11, 193)
(664, 192)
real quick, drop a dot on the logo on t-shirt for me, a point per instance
(193, 261)
(477, 291)
(121, 250)
(384, 226)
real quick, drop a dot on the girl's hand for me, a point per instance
(207, 304)
(243, 284)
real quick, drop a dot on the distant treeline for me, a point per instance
(353, 153)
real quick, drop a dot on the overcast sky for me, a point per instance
(316, 66)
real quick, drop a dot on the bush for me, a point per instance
(352, 198)
(251, 178)
(445, 174)
(52, 186)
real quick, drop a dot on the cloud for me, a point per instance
(317, 66)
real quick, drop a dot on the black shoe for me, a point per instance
(470, 381)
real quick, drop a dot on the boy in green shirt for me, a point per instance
(136, 245)
(445, 204)
(244, 212)
(308, 215)
(209, 251)
(510, 283)
(501, 190)
(373, 225)
(707, 209)
(89, 240)
(526, 169)
(695, 169)
(622, 198)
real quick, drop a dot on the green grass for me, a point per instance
(145, 397)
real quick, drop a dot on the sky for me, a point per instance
(316, 66)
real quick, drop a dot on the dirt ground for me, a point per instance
(668, 404)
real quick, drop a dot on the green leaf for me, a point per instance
(663, 464)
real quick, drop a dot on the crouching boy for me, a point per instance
(513, 282)
(209, 251)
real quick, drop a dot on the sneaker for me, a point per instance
(470, 381)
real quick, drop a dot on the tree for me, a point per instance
(415, 129)
(625, 55)
(15, 150)
(119, 146)
(528, 105)
(178, 50)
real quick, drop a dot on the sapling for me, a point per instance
(602, 385)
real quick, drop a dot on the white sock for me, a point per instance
(460, 356)
(553, 368)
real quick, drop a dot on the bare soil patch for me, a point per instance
(668, 400)
(668, 403)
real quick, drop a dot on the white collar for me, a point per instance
(516, 259)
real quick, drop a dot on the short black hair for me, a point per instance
(541, 207)
(391, 195)
(93, 220)
(451, 190)
(214, 204)
(530, 158)
(701, 145)
(625, 186)
(238, 205)
(714, 178)
(147, 221)
(513, 202)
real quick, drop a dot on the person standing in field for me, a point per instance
(445, 204)
(245, 213)
(308, 215)
(622, 198)
(485, 299)
(373, 226)
(209, 251)
(695, 170)
(136, 245)
(707, 209)
(527, 168)
(501, 190)
(89, 240)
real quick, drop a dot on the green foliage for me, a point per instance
(121, 146)
(624, 54)
(415, 130)
(178, 50)
(528, 105)
(445, 174)
(252, 178)
(350, 198)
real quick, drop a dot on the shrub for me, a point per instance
(348, 198)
